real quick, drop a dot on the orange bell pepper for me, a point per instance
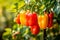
(17, 19)
(43, 21)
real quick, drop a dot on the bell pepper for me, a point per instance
(22, 17)
(50, 21)
(35, 29)
(17, 19)
(31, 19)
(43, 21)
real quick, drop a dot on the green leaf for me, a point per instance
(21, 4)
(26, 31)
(8, 29)
(15, 27)
(6, 33)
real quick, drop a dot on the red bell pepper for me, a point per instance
(35, 29)
(31, 19)
(50, 21)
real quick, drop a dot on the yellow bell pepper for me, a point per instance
(23, 17)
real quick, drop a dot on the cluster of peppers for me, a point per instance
(34, 21)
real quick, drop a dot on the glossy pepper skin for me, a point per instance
(31, 19)
(35, 29)
(43, 21)
(17, 19)
(50, 21)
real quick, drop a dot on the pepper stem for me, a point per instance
(45, 35)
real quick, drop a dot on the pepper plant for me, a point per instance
(34, 20)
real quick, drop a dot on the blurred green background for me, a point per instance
(8, 10)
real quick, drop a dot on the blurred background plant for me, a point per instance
(10, 8)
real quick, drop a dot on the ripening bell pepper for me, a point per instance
(17, 19)
(43, 21)
(50, 21)
(31, 19)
